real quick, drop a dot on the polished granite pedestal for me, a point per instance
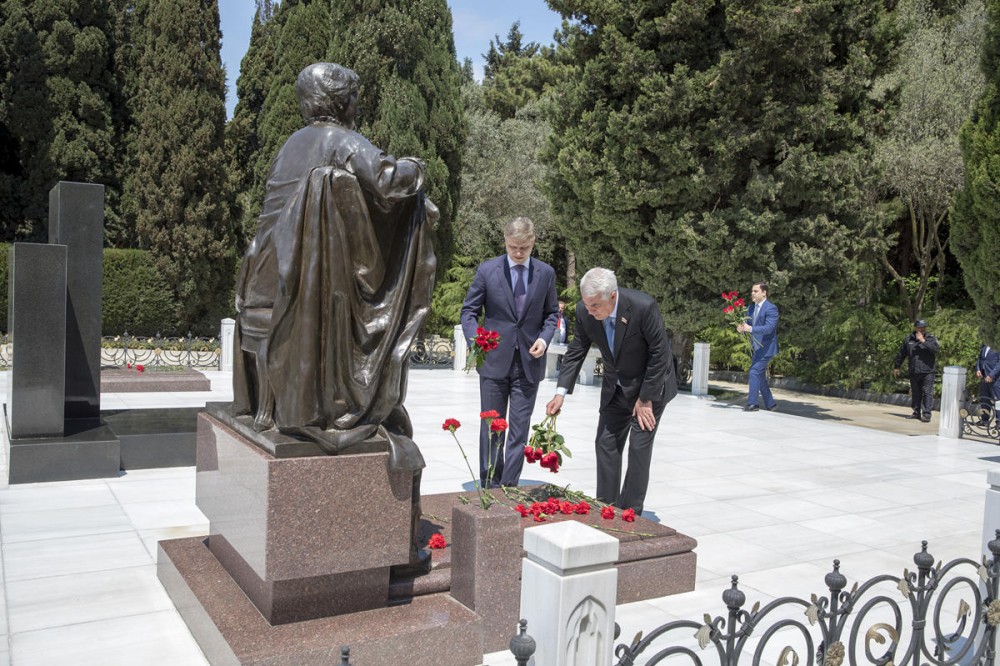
(298, 557)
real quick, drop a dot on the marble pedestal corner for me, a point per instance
(486, 568)
(304, 537)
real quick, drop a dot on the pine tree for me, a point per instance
(181, 189)
(975, 215)
(56, 90)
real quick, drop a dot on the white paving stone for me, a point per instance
(773, 498)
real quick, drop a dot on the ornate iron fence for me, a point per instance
(978, 419)
(189, 351)
(886, 621)
(433, 352)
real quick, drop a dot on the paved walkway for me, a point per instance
(774, 497)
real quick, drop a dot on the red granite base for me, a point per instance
(428, 631)
(654, 560)
(153, 381)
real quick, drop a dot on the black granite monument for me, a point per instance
(54, 406)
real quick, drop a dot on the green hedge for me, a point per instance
(136, 297)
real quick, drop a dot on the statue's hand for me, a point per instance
(433, 214)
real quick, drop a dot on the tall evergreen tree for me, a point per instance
(975, 216)
(297, 35)
(56, 90)
(129, 45)
(243, 131)
(699, 146)
(410, 97)
(181, 192)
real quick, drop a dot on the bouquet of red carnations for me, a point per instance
(484, 342)
(546, 446)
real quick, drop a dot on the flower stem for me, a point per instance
(479, 488)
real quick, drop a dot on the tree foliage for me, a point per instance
(55, 106)
(181, 192)
(975, 217)
(935, 85)
(700, 146)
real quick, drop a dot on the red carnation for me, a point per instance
(738, 302)
(728, 309)
(491, 414)
(437, 541)
(498, 425)
(566, 507)
(140, 368)
(451, 425)
(523, 510)
(582, 508)
(628, 515)
(608, 513)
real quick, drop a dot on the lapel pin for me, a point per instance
(624, 320)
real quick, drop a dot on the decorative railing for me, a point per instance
(938, 615)
(206, 354)
(978, 419)
(190, 352)
(432, 352)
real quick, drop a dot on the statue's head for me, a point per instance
(325, 89)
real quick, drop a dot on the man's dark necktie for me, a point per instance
(520, 292)
(609, 331)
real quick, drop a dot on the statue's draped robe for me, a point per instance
(343, 259)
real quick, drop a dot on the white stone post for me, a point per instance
(952, 388)
(461, 348)
(699, 368)
(568, 589)
(227, 336)
(991, 523)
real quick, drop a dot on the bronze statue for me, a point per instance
(334, 287)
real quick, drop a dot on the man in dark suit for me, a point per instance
(762, 325)
(639, 381)
(516, 295)
(988, 371)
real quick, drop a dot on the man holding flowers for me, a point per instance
(762, 325)
(516, 297)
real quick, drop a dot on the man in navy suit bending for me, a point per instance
(516, 296)
(639, 381)
(762, 325)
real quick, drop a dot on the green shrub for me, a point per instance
(136, 297)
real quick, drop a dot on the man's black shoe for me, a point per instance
(751, 408)
(926, 419)
(772, 407)
(913, 416)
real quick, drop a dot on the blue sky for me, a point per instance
(476, 23)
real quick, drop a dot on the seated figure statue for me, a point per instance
(335, 285)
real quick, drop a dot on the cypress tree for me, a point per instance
(243, 131)
(410, 97)
(181, 189)
(56, 90)
(975, 214)
(297, 35)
